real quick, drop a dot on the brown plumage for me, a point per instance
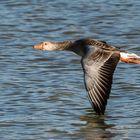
(99, 61)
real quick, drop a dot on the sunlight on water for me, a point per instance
(42, 93)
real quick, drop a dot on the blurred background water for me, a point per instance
(42, 95)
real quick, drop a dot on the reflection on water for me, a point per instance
(96, 127)
(42, 93)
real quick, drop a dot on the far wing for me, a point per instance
(99, 67)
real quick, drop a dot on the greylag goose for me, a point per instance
(99, 60)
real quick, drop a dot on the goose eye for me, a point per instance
(45, 43)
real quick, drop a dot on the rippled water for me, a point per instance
(42, 95)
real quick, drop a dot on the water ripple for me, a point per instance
(42, 93)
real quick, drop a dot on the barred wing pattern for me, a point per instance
(98, 68)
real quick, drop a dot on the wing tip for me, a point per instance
(98, 110)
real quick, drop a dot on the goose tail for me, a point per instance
(129, 57)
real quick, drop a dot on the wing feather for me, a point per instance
(99, 66)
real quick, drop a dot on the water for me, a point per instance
(42, 95)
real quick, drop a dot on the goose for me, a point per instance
(99, 60)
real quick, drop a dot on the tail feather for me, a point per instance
(128, 57)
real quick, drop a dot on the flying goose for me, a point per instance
(99, 60)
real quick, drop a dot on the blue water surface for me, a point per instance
(42, 94)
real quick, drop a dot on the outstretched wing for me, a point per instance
(99, 66)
